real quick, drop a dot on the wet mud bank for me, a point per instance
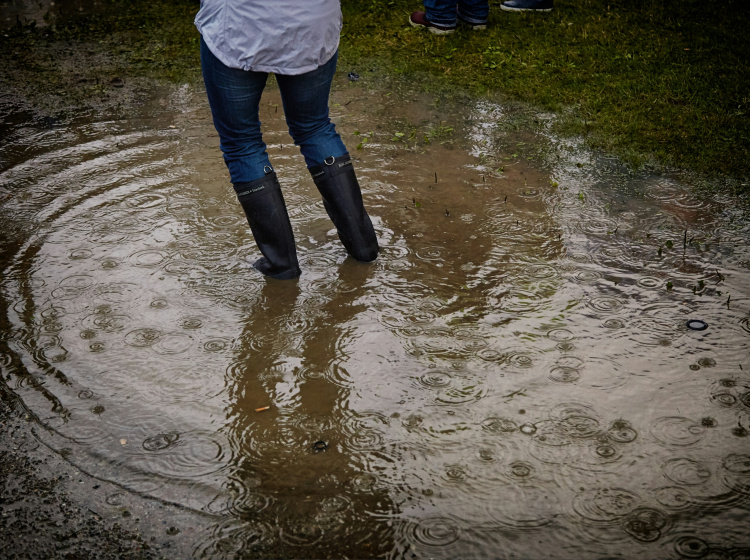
(49, 509)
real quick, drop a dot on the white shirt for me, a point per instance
(280, 36)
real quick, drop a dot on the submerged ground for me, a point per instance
(514, 377)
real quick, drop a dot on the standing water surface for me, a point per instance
(513, 377)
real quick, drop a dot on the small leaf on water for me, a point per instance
(669, 286)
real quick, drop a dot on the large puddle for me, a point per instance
(514, 377)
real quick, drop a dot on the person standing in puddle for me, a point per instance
(297, 40)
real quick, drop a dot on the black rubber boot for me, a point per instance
(342, 199)
(266, 213)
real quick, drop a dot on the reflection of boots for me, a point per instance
(266, 213)
(342, 199)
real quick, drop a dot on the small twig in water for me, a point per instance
(684, 245)
(519, 393)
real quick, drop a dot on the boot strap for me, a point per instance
(339, 166)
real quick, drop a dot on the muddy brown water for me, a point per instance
(513, 378)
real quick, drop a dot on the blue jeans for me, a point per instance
(234, 97)
(443, 12)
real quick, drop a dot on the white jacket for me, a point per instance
(279, 36)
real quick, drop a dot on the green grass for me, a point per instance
(649, 80)
(663, 79)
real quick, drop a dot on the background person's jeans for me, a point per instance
(443, 12)
(234, 97)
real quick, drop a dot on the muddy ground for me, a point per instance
(48, 508)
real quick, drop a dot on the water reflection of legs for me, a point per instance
(309, 503)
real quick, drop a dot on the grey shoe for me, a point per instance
(527, 6)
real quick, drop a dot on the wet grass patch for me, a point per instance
(650, 81)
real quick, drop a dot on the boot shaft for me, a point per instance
(265, 209)
(342, 199)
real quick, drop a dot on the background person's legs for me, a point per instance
(442, 12)
(474, 12)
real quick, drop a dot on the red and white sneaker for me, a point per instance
(418, 19)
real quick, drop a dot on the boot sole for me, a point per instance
(475, 26)
(507, 9)
(433, 30)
